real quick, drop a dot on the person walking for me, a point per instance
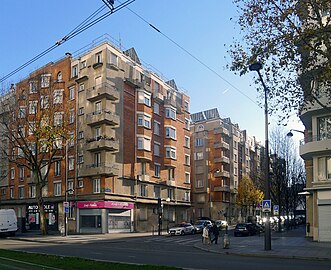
(205, 236)
(216, 233)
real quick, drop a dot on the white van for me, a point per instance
(8, 221)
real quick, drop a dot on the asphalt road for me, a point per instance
(175, 251)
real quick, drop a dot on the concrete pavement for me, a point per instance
(288, 244)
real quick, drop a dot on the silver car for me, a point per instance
(181, 229)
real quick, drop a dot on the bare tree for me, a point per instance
(36, 133)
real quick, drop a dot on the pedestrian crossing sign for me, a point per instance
(266, 206)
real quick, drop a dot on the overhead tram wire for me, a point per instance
(83, 26)
(193, 56)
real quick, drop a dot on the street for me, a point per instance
(178, 251)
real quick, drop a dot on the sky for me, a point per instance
(191, 48)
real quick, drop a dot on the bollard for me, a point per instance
(226, 241)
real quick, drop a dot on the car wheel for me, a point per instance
(182, 233)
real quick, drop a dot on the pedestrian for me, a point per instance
(216, 233)
(205, 236)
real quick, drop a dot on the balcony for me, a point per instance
(223, 159)
(102, 117)
(222, 130)
(104, 90)
(102, 143)
(171, 182)
(314, 146)
(108, 169)
(222, 188)
(170, 101)
(222, 145)
(143, 177)
(158, 96)
(168, 162)
(222, 174)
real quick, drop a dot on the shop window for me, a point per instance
(90, 221)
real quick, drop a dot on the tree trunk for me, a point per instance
(40, 200)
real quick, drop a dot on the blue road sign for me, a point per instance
(66, 210)
(266, 205)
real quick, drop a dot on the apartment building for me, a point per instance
(133, 142)
(222, 154)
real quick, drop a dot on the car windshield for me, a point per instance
(241, 226)
(180, 225)
(200, 223)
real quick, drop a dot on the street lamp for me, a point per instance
(267, 237)
(66, 210)
(290, 134)
(210, 197)
(168, 202)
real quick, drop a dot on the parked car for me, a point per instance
(244, 229)
(206, 218)
(8, 221)
(221, 224)
(200, 224)
(182, 228)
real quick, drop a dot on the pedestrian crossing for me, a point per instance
(180, 240)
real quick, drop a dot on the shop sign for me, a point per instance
(105, 204)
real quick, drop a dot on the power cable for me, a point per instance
(193, 56)
(83, 26)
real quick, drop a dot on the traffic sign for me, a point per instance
(266, 206)
(65, 204)
(276, 209)
(66, 210)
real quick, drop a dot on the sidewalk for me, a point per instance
(288, 244)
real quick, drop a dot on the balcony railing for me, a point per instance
(102, 143)
(103, 90)
(102, 117)
(315, 138)
(99, 169)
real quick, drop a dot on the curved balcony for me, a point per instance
(108, 169)
(102, 117)
(102, 143)
(103, 90)
(223, 159)
(222, 174)
(314, 146)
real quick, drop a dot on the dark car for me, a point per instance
(200, 224)
(244, 229)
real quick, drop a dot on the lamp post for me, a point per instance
(267, 236)
(168, 202)
(290, 133)
(210, 197)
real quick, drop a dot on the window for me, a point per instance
(187, 160)
(199, 183)
(144, 98)
(20, 192)
(32, 191)
(59, 76)
(156, 108)
(70, 186)
(21, 132)
(156, 149)
(96, 185)
(187, 196)
(58, 96)
(58, 118)
(45, 79)
(33, 87)
(71, 116)
(98, 107)
(83, 64)
(80, 159)
(187, 142)
(44, 102)
(171, 193)
(80, 183)
(324, 168)
(12, 173)
(21, 173)
(171, 173)
(157, 192)
(98, 57)
(11, 193)
(156, 87)
(74, 71)
(199, 142)
(170, 113)
(57, 168)
(81, 87)
(235, 170)
(97, 132)
(186, 106)
(187, 178)
(144, 120)
(71, 139)
(81, 111)
(32, 127)
(98, 81)
(324, 128)
(187, 124)
(71, 163)
(157, 170)
(170, 133)
(22, 112)
(32, 148)
(143, 190)
(143, 168)
(33, 106)
(199, 156)
(97, 159)
(113, 59)
(72, 93)
(57, 189)
(81, 135)
(144, 143)
(157, 127)
(58, 143)
(170, 152)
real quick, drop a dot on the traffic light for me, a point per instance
(159, 206)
